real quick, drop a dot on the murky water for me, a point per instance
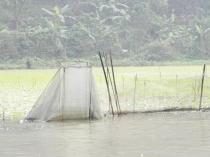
(141, 135)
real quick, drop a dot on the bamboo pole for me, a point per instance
(111, 82)
(110, 99)
(64, 94)
(202, 85)
(3, 114)
(160, 75)
(123, 90)
(134, 93)
(90, 98)
(144, 89)
(176, 86)
(107, 84)
(114, 80)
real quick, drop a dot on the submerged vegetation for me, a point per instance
(157, 87)
(140, 31)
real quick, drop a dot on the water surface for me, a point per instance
(142, 135)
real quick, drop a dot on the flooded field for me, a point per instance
(139, 135)
(157, 87)
(142, 135)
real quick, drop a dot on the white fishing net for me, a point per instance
(70, 95)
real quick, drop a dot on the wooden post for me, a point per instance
(107, 84)
(114, 80)
(202, 85)
(134, 96)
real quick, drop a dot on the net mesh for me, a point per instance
(70, 95)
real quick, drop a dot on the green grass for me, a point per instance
(157, 87)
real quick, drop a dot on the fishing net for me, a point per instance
(70, 95)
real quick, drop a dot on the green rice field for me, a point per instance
(139, 88)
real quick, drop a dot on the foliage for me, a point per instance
(148, 30)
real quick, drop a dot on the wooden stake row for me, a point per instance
(107, 83)
(110, 81)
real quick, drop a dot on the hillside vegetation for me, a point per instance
(142, 30)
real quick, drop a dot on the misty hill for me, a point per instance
(151, 30)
